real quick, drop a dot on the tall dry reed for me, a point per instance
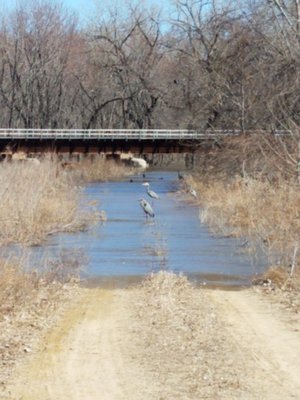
(99, 169)
(36, 200)
(256, 209)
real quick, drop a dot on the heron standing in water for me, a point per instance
(150, 192)
(148, 210)
(180, 175)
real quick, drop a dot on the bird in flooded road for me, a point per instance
(150, 192)
(180, 175)
(148, 210)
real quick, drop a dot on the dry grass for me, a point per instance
(30, 302)
(99, 169)
(20, 287)
(248, 188)
(36, 200)
(15, 287)
(254, 209)
(182, 345)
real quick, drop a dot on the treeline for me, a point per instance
(213, 65)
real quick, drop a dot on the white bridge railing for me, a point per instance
(121, 134)
(113, 134)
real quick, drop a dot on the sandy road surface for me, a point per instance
(83, 357)
(266, 334)
(168, 343)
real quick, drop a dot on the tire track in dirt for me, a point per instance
(263, 334)
(82, 358)
(165, 340)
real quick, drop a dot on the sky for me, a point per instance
(86, 9)
(91, 5)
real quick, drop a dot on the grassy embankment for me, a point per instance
(38, 200)
(249, 188)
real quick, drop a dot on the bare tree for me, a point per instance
(35, 53)
(219, 65)
(203, 29)
(126, 55)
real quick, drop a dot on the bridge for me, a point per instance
(93, 141)
(112, 134)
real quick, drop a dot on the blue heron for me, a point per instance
(180, 175)
(148, 210)
(151, 193)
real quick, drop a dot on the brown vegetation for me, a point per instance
(189, 353)
(255, 209)
(249, 188)
(99, 169)
(214, 65)
(37, 200)
(30, 302)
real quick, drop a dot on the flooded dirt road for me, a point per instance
(165, 338)
(127, 246)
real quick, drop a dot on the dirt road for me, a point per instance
(267, 336)
(82, 358)
(165, 340)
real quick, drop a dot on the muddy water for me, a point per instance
(128, 245)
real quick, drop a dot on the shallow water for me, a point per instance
(128, 245)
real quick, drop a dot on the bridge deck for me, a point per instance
(112, 134)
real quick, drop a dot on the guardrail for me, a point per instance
(121, 134)
(113, 134)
